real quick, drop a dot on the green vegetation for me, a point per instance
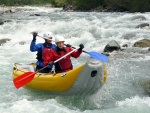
(129, 5)
(24, 2)
(88, 4)
(109, 5)
(85, 5)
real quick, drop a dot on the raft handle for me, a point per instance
(93, 73)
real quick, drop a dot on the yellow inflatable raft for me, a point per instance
(85, 79)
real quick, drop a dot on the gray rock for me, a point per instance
(22, 42)
(35, 15)
(125, 45)
(1, 22)
(12, 11)
(7, 20)
(128, 36)
(3, 41)
(68, 7)
(142, 43)
(139, 17)
(112, 46)
(142, 25)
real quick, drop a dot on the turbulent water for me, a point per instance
(127, 86)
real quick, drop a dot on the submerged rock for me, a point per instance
(139, 17)
(135, 50)
(7, 20)
(22, 43)
(3, 41)
(1, 22)
(35, 15)
(128, 36)
(142, 25)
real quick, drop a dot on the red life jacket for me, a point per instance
(65, 63)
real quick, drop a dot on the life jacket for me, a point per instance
(39, 53)
(64, 64)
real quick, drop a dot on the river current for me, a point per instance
(128, 83)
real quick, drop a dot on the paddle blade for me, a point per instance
(23, 79)
(98, 56)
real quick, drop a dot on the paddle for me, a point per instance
(93, 54)
(97, 55)
(28, 76)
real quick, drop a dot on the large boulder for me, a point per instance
(142, 43)
(112, 46)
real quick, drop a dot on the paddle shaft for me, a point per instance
(75, 48)
(45, 38)
(95, 55)
(58, 59)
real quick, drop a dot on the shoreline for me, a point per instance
(4, 9)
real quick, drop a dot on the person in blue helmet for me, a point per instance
(40, 48)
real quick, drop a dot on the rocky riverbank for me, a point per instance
(107, 5)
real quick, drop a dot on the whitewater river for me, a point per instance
(126, 89)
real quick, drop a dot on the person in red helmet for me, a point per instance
(52, 55)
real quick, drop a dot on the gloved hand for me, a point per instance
(51, 63)
(34, 36)
(68, 45)
(81, 47)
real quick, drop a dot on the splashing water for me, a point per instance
(126, 89)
